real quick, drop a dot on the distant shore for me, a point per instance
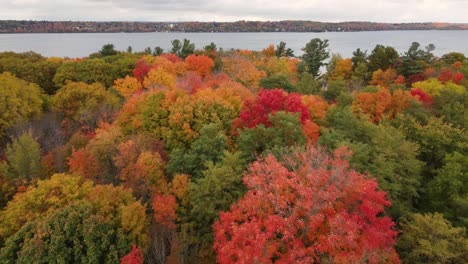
(30, 26)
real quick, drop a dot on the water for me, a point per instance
(83, 44)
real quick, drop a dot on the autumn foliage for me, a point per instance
(320, 211)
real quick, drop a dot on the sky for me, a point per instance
(392, 11)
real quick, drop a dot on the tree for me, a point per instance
(182, 49)
(31, 67)
(71, 234)
(127, 86)
(108, 50)
(430, 238)
(315, 53)
(218, 188)
(88, 71)
(256, 111)
(84, 103)
(277, 81)
(359, 57)
(448, 191)
(24, 158)
(45, 202)
(282, 51)
(283, 133)
(21, 101)
(310, 208)
(203, 65)
(382, 58)
(134, 257)
(208, 147)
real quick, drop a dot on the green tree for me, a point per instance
(448, 191)
(359, 57)
(88, 71)
(24, 158)
(277, 81)
(73, 234)
(430, 238)
(209, 147)
(308, 85)
(285, 132)
(315, 53)
(334, 89)
(108, 50)
(282, 51)
(219, 187)
(32, 68)
(19, 102)
(382, 58)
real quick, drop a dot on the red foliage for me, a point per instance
(200, 64)
(322, 211)
(418, 77)
(134, 257)
(164, 206)
(83, 163)
(423, 97)
(256, 111)
(399, 80)
(142, 67)
(171, 57)
(190, 82)
(445, 75)
(458, 78)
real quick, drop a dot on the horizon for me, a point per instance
(242, 20)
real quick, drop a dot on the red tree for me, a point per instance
(134, 257)
(421, 96)
(318, 211)
(142, 67)
(266, 102)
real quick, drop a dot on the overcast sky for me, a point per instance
(232, 10)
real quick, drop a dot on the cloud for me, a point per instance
(233, 10)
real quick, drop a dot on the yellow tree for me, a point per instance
(127, 86)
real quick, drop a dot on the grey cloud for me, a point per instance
(231, 10)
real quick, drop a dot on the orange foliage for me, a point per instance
(243, 71)
(269, 51)
(200, 64)
(343, 70)
(83, 163)
(381, 104)
(383, 78)
(317, 106)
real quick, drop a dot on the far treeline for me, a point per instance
(30, 26)
(210, 156)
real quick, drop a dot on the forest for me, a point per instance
(33, 26)
(205, 155)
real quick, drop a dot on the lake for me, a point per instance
(83, 44)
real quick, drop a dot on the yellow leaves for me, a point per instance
(133, 220)
(433, 87)
(160, 78)
(127, 86)
(343, 70)
(19, 100)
